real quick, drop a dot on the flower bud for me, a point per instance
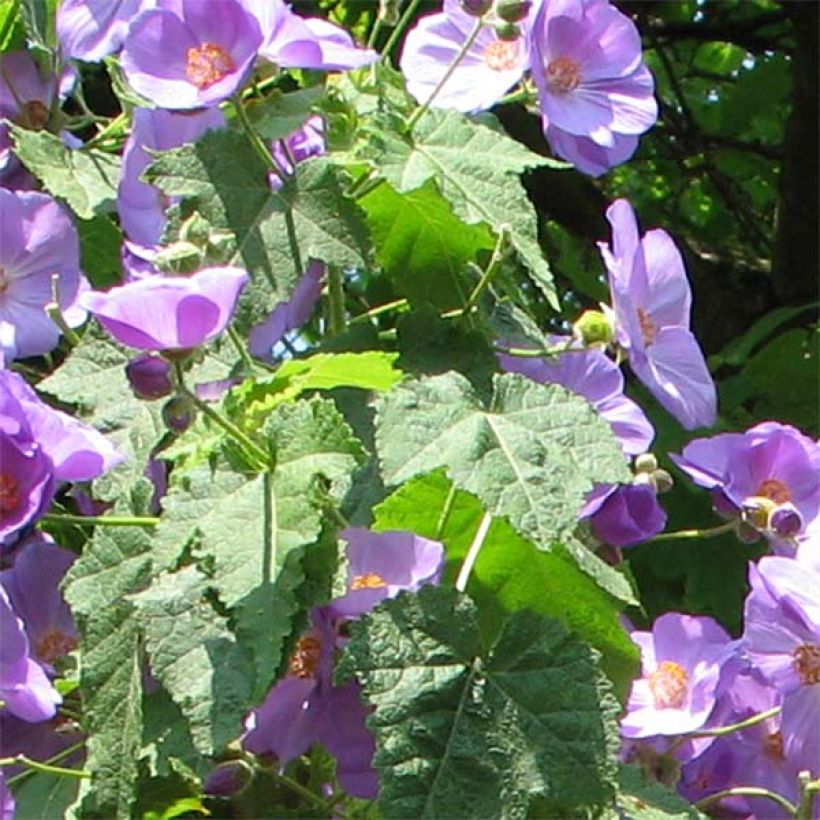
(646, 463)
(150, 377)
(178, 414)
(663, 481)
(785, 521)
(476, 8)
(180, 257)
(507, 32)
(594, 328)
(512, 11)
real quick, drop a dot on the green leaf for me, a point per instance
(477, 169)
(100, 251)
(228, 184)
(44, 796)
(115, 562)
(253, 569)
(195, 657)
(464, 731)
(38, 17)
(532, 454)
(642, 799)
(85, 178)
(12, 30)
(421, 245)
(510, 574)
(279, 115)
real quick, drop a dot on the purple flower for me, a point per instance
(291, 41)
(490, 67)
(598, 379)
(33, 589)
(382, 564)
(169, 313)
(92, 29)
(592, 83)
(307, 141)
(681, 661)
(25, 94)
(288, 315)
(37, 242)
(770, 475)
(8, 804)
(38, 741)
(24, 685)
(587, 156)
(77, 451)
(150, 377)
(142, 206)
(190, 54)
(652, 301)
(626, 515)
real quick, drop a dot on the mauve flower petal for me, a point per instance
(92, 29)
(339, 52)
(586, 155)
(629, 516)
(670, 297)
(21, 82)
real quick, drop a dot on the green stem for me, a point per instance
(228, 426)
(472, 552)
(489, 273)
(337, 315)
(38, 766)
(400, 27)
(100, 520)
(748, 791)
(445, 512)
(705, 533)
(297, 787)
(468, 44)
(239, 344)
(397, 304)
(115, 127)
(56, 314)
(539, 352)
(258, 143)
(736, 727)
(809, 789)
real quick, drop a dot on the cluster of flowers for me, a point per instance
(595, 94)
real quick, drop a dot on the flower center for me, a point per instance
(305, 660)
(773, 746)
(370, 580)
(648, 328)
(502, 55)
(807, 663)
(9, 494)
(563, 75)
(54, 644)
(4, 280)
(208, 64)
(669, 685)
(33, 115)
(775, 490)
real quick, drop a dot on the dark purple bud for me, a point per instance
(476, 8)
(513, 11)
(150, 377)
(785, 521)
(178, 414)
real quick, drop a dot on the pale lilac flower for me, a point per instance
(33, 589)
(488, 70)
(189, 54)
(652, 301)
(291, 41)
(169, 313)
(92, 29)
(592, 83)
(289, 315)
(681, 661)
(304, 143)
(77, 451)
(587, 156)
(593, 375)
(142, 206)
(24, 685)
(770, 469)
(625, 515)
(382, 564)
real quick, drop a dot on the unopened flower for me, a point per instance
(39, 242)
(592, 83)
(92, 29)
(625, 515)
(169, 313)
(190, 54)
(652, 301)
(681, 660)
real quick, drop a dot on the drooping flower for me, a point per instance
(489, 69)
(37, 241)
(142, 206)
(625, 515)
(76, 450)
(291, 41)
(592, 84)
(586, 155)
(169, 313)
(681, 661)
(593, 375)
(24, 685)
(288, 315)
(150, 377)
(652, 302)
(92, 29)
(189, 54)
(769, 475)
